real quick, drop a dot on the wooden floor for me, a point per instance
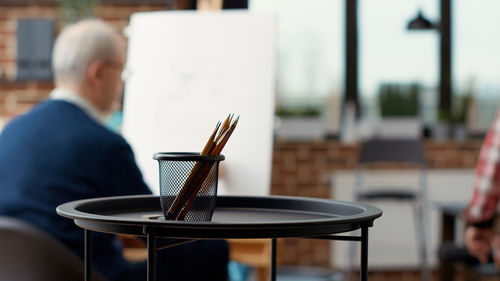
(460, 275)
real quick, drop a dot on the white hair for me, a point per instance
(81, 44)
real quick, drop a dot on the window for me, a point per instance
(390, 54)
(35, 38)
(310, 49)
(476, 64)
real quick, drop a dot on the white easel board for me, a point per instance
(190, 69)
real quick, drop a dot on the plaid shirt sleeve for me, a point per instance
(483, 205)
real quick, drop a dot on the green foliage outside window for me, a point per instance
(399, 100)
(71, 11)
(460, 108)
(304, 111)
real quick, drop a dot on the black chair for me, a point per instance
(408, 152)
(453, 255)
(28, 254)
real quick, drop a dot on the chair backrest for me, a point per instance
(392, 150)
(399, 151)
(28, 253)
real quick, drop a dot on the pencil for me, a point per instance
(200, 171)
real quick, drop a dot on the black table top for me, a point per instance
(234, 217)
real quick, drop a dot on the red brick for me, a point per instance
(4, 53)
(12, 85)
(157, 7)
(106, 11)
(44, 85)
(7, 33)
(33, 96)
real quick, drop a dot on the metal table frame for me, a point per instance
(161, 231)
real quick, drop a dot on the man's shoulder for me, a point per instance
(51, 110)
(61, 119)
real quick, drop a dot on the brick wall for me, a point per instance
(9, 14)
(303, 169)
(18, 96)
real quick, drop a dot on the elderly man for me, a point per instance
(60, 151)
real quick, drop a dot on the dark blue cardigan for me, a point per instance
(54, 154)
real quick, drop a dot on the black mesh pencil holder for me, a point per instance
(188, 185)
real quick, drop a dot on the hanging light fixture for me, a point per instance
(420, 23)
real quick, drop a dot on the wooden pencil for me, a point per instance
(200, 171)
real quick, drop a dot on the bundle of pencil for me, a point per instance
(199, 174)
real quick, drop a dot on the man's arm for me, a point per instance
(483, 205)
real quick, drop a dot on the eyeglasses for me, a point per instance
(114, 64)
(125, 73)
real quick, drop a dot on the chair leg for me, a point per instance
(421, 237)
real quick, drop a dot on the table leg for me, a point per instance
(364, 254)
(88, 255)
(273, 259)
(151, 257)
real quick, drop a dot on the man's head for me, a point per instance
(88, 58)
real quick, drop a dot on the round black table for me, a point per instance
(234, 217)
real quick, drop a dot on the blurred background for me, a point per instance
(347, 71)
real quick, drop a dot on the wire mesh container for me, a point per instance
(188, 185)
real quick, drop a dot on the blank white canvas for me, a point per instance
(190, 69)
